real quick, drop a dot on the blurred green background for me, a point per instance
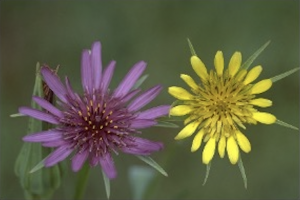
(156, 31)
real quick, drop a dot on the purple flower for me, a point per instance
(98, 122)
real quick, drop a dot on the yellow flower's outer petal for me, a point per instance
(219, 63)
(232, 150)
(261, 86)
(181, 110)
(187, 131)
(197, 141)
(209, 150)
(243, 142)
(253, 74)
(189, 81)
(180, 93)
(263, 117)
(261, 102)
(235, 63)
(221, 146)
(199, 67)
(242, 73)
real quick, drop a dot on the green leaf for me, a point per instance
(106, 184)
(242, 170)
(283, 75)
(281, 123)
(166, 124)
(140, 81)
(191, 48)
(140, 177)
(153, 164)
(250, 60)
(207, 173)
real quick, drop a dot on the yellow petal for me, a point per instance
(189, 80)
(232, 150)
(209, 150)
(253, 74)
(199, 67)
(235, 63)
(263, 117)
(180, 93)
(219, 63)
(221, 146)
(261, 102)
(197, 141)
(243, 142)
(180, 110)
(261, 86)
(187, 131)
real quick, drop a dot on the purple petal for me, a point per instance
(78, 160)
(108, 166)
(86, 71)
(44, 136)
(69, 89)
(142, 123)
(130, 79)
(130, 95)
(96, 63)
(54, 83)
(155, 112)
(58, 155)
(54, 143)
(48, 106)
(94, 160)
(144, 98)
(38, 115)
(107, 75)
(140, 146)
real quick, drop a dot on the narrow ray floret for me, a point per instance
(218, 108)
(93, 125)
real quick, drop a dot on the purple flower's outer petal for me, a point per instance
(58, 155)
(86, 71)
(37, 114)
(54, 143)
(140, 146)
(48, 106)
(43, 136)
(142, 123)
(130, 95)
(144, 98)
(78, 160)
(69, 89)
(155, 112)
(96, 63)
(94, 160)
(107, 75)
(54, 83)
(107, 165)
(130, 79)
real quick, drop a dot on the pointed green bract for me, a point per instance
(166, 124)
(191, 48)
(242, 170)
(17, 115)
(106, 184)
(283, 75)
(281, 123)
(38, 166)
(140, 81)
(207, 172)
(250, 60)
(153, 164)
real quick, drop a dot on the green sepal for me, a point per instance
(42, 183)
(106, 184)
(153, 164)
(250, 60)
(242, 170)
(281, 123)
(207, 172)
(283, 75)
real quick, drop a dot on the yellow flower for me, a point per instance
(219, 107)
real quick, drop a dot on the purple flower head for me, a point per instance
(98, 122)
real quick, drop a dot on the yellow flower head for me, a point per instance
(219, 107)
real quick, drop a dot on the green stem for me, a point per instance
(81, 182)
